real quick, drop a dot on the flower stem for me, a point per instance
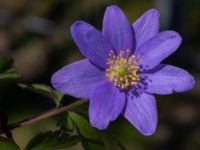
(45, 115)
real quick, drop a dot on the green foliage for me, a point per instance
(111, 142)
(11, 73)
(66, 124)
(90, 137)
(52, 141)
(5, 63)
(6, 70)
(5, 144)
(93, 139)
(84, 126)
(44, 90)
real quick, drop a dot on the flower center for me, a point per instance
(123, 70)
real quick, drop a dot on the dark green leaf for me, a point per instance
(90, 138)
(111, 142)
(5, 144)
(9, 74)
(66, 124)
(5, 63)
(84, 126)
(51, 141)
(44, 90)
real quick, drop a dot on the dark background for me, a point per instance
(36, 33)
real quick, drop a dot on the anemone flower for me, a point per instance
(122, 69)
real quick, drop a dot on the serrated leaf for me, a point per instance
(44, 90)
(5, 144)
(9, 74)
(52, 141)
(5, 63)
(90, 138)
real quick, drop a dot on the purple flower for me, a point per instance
(121, 71)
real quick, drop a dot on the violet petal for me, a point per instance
(77, 79)
(146, 26)
(158, 48)
(141, 112)
(166, 79)
(117, 29)
(91, 43)
(106, 103)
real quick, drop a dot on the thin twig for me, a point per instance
(45, 115)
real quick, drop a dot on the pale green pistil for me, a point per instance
(121, 70)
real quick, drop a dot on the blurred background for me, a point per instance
(36, 33)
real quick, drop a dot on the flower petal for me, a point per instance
(146, 26)
(117, 29)
(77, 79)
(166, 79)
(158, 48)
(106, 103)
(141, 112)
(91, 43)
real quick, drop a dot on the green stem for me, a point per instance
(45, 115)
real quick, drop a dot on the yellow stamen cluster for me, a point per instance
(123, 69)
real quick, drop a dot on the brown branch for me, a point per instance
(44, 115)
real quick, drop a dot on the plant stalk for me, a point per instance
(44, 115)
